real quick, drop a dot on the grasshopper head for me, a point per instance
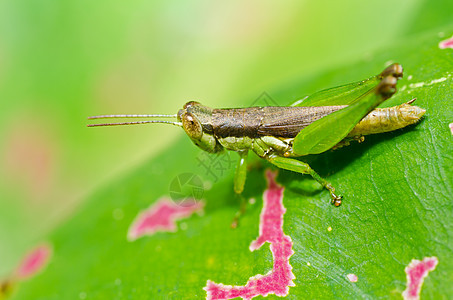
(196, 121)
(194, 118)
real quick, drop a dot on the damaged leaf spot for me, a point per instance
(416, 272)
(451, 127)
(448, 43)
(352, 277)
(280, 278)
(161, 216)
(33, 262)
(423, 84)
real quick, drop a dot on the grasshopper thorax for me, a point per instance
(196, 121)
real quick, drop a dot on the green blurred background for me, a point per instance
(61, 61)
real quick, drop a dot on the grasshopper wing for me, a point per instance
(348, 93)
(325, 133)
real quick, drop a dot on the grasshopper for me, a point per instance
(328, 119)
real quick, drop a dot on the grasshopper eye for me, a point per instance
(191, 126)
(191, 103)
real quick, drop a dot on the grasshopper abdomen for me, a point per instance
(388, 119)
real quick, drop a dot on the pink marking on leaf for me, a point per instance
(280, 278)
(416, 272)
(448, 43)
(451, 127)
(33, 262)
(30, 155)
(352, 277)
(161, 216)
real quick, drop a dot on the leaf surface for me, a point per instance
(397, 206)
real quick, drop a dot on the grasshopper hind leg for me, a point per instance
(303, 168)
(272, 149)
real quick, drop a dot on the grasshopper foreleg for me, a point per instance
(241, 172)
(303, 168)
(239, 181)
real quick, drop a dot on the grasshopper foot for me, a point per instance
(336, 199)
(240, 212)
(395, 70)
(387, 87)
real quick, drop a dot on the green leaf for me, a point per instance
(397, 206)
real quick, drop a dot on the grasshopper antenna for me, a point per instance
(131, 116)
(134, 123)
